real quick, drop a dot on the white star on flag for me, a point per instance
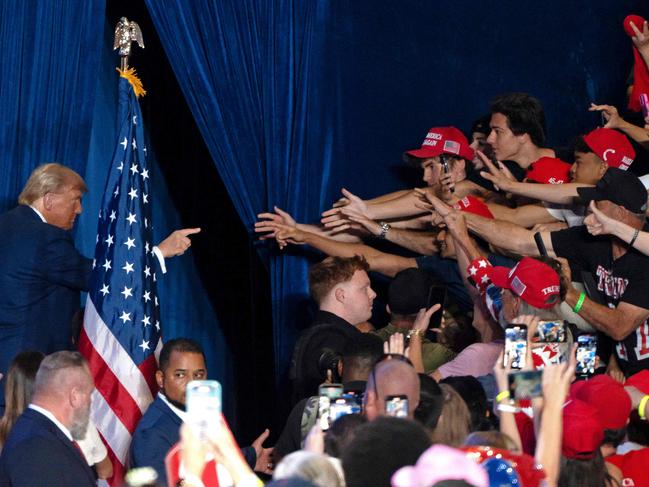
(145, 173)
(484, 279)
(109, 240)
(131, 219)
(127, 292)
(482, 263)
(112, 216)
(134, 169)
(106, 265)
(133, 193)
(134, 145)
(123, 143)
(125, 316)
(144, 345)
(472, 270)
(116, 192)
(147, 296)
(130, 243)
(104, 290)
(146, 320)
(120, 168)
(147, 271)
(145, 198)
(128, 267)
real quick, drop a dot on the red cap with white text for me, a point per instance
(443, 140)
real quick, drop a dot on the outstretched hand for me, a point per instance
(177, 243)
(610, 115)
(271, 222)
(500, 176)
(339, 214)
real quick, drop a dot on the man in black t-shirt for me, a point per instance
(621, 272)
(341, 287)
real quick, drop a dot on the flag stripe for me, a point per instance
(109, 386)
(116, 436)
(115, 357)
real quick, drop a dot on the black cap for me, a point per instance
(408, 291)
(482, 125)
(620, 187)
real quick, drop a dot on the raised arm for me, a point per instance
(526, 216)
(598, 223)
(552, 193)
(509, 236)
(388, 264)
(615, 121)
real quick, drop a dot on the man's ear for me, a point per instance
(159, 378)
(516, 304)
(339, 294)
(48, 201)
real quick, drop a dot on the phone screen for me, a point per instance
(525, 384)
(515, 346)
(586, 352)
(396, 406)
(436, 295)
(328, 395)
(203, 403)
(551, 331)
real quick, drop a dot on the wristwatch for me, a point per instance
(384, 229)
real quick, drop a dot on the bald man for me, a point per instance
(41, 448)
(391, 377)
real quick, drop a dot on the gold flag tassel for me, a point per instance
(131, 77)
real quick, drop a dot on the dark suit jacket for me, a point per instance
(156, 433)
(41, 275)
(37, 453)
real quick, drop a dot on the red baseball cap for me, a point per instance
(639, 380)
(611, 146)
(471, 204)
(443, 140)
(582, 432)
(607, 396)
(535, 282)
(549, 170)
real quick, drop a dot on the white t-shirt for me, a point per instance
(573, 215)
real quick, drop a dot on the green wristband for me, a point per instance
(580, 303)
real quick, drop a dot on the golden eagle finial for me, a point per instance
(126, 32)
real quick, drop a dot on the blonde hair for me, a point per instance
(49, 178)
(455, 420)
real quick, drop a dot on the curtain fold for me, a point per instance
(262, 88)
(49, 57)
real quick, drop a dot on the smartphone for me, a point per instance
(436, 295)
(586, 352)
(346, 404)
(203, 399)
(328, 393)
(551, 331)
(446, 168)
(525, 384)
(397, 406)
(540, 245)
(515, 346)
(644, 103)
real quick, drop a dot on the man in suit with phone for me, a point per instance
(41, 448)
(181, 361)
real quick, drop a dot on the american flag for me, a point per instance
(121, 329)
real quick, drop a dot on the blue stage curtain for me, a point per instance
(49, 57)
(252, 72)
(296, 98)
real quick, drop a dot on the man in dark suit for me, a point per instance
(40, 450)
(181, 361)
(42, 272)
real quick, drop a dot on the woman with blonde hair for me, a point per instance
(454, 422)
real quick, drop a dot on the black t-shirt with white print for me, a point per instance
(625, 279)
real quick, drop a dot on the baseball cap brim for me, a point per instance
(500, 276)
(424, 152)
